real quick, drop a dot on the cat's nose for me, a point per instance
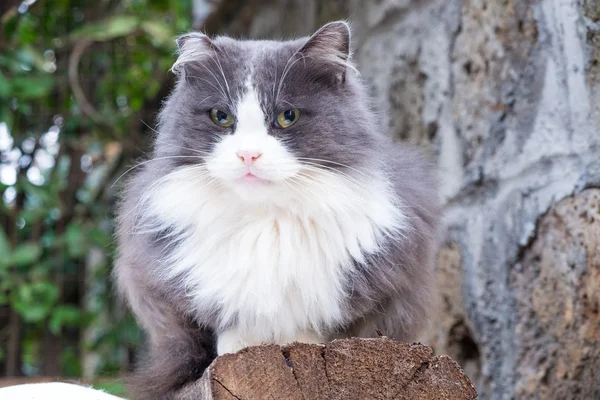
(248, 157)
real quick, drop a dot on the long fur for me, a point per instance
(332, 236)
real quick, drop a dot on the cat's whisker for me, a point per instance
(147, 193)
(218, 62)
(291, 186)
(141, 200)
(217, 88)
(149, 127)
(282, 75)
(201, 154)
(221, 89)
(225, 92)
(216, 135)
(287, 102)
(147, 196)
(204, 153)
(305, 184)
(286, 71)
(322, 169)
(325, 169)
(339, 181)
(204, 100)
(336, 176)
(274, 82)
(327, 188)
(148, 161)
(333, 162)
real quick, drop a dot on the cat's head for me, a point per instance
(265, 118)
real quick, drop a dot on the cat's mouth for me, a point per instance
(251, 178)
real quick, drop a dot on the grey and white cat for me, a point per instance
(273, 209)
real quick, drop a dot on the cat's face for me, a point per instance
(267, 118)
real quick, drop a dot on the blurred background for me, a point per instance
(503, 94)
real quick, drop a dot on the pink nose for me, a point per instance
(248, 157)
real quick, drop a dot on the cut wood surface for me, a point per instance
(343, 369)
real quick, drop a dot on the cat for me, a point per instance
(273, 209)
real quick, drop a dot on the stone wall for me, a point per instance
(505, 96)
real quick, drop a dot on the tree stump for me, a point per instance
(343, 369)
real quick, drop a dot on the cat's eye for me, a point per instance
(287, 118)
(221, 118)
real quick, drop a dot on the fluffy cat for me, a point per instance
(273, 209)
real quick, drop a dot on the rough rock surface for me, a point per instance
(451, 331)
(557, 291)
(506, 96)
(348, 369)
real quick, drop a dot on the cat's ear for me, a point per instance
(331, 44)
(192, 47)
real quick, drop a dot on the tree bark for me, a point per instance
(13, 345)
(343, 369)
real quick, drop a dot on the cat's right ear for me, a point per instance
(192, 47)
(331, 46)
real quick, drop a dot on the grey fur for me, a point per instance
(391, 292)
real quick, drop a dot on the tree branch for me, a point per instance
(86, 107)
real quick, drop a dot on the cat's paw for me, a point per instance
(308, 337)
(230, 342)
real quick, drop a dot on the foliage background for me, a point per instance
(80, 83)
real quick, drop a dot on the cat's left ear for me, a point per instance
(192, 47)
(331, 44)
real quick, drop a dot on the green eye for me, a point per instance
(287, 118)
(221, 118)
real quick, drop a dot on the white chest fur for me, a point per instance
(276, 268)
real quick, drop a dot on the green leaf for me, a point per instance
(26, 254)
(9, 27)
(3, 299)
(64, 316)
(5, 87)
(159, 33)
(99, 237)
(108, 29)
(34, 301)
(71, 362)
(32, 87)
(75, 240)
(7, 116)
(4, 248)
(6, 284)
(30, 56)
(43, 194)
(26, 29)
